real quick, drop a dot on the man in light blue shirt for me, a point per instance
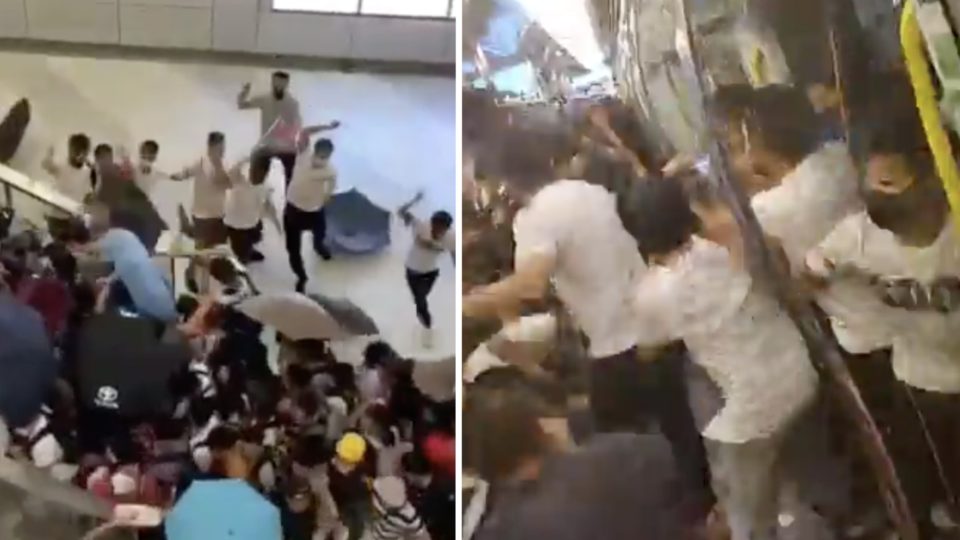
(142, 277)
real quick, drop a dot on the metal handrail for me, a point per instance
(13, 180)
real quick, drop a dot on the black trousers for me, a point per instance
(627, 393)
(243, 241)
(295, 223)
(260, 165)
(421, 283)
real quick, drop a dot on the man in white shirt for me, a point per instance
(569, 234)
(210, 183)
(314, 181)
(904, 239)
(698, 289)
(800, 190)
(143, 173)
(246, 205)
(430, 240)
(72, 176)
(279, 112)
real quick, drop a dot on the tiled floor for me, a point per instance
(398, 137)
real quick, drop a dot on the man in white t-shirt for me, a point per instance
(210, 183)
(892, 274)
(314, 181)
(72, 176)
(430, 240)
(143, 173)
(247, 203)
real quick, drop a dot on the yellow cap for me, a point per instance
(351, 448)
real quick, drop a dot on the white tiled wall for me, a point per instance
(229, 25)
(13, 18)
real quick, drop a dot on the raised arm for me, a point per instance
(243, 99)
(306, 133)
(48, 163)
(404, 211)
(188, 172)
(506, 297)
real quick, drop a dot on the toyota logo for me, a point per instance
(107, 397)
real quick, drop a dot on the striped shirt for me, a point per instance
(401, 523)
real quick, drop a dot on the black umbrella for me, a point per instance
(27, 364)
(125, 368)
(12, 128)
(356, 226)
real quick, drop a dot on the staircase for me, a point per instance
(34, 506)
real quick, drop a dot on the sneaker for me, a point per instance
(256, 256)
(426, 338)
(324, 254)
(301, 285)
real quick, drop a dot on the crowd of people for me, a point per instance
(140, 393)
(697, 409)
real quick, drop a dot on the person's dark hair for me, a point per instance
(299, 376)
(416, 463)
(610, 171)
(377, 354)
(78, 142)
(308, 403)
(215, 137)
(441, 219)
(501, 431)
(893, 126)
(781, 116)
(311, 450)
(658, 216)
(201, 409)
(223, 438)
(150, 146)
(102, 150)
(527, 159)
(323, 146)
(281, 75)
(731, 102)
(64, 264)
(187, 305)
(222, 270)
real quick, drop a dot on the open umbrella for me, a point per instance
(26, 362)
(124, 367)
(12, 128)
(437, 379)
(298, 316)
(356, 226)
(223, 510)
